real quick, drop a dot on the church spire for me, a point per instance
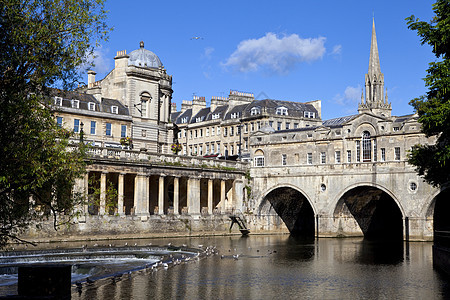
(375, 102)
(374, 60)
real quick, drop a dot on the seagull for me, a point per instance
(196, 38)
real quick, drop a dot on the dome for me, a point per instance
(144, 58)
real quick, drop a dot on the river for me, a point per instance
(281, 267)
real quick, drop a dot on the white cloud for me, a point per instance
(100, 61)
(279, 54)
(337, 49)
(351, 96)
(208, 52)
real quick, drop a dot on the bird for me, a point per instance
(236, 256)
(196, 38)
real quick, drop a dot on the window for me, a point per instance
(196, 133)
(258, 125)
(225, 131)
(283, 159)
(309, 158)
(279, 126)
(374, 150)
(179, 135)
(323, 158)
(238, 129)
(309, 114)
(349, 156)
(255, 111)
(93, 125)
(288, 125)
(212, 148)
(283, 111)
(76, 125)
(397, 153)
(108, 129)
(144, 104)
(337, 157)
(91, 106)
(190, 133)
(213, 130)
(184, 120)
(358, 151)
(366, 147)
(207, 132)
(383, 154)
(295, 125)
(75, 103)
(58, 101)
(115, 109)
(218, 147)
(235, 115)
(246, 127)
(200, 149)
(245, 143)
(218, 130)
(259, 161)
(253, 126)
(396, 128)
(59, 121)
(231, 131)
(271, 124)
(215, 116)
(207, 149)
(201, 132)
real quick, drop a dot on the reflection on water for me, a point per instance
(274, 267)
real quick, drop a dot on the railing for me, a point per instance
(166, 159)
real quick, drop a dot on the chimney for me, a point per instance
(91, 78)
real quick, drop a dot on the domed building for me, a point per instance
(141, 83)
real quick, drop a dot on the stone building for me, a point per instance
(220, 129)
(140, 82)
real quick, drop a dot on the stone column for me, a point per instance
(141, 194)
(238, 195)
(120, 195)
(193, 196)
(161, 195)
(222, 196)
(210, 196)
(176, 199)
(102, 193)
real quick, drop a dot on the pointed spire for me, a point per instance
(362, 96)
(386, 97)
(374, 60)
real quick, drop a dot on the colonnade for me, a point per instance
(141, 194)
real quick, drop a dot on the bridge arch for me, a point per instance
(437, 209)
(376, 210)
(293, 206)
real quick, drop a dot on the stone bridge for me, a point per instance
(374, 199)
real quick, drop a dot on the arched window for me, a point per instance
(259, 158)
(366, 147)
(145, 100)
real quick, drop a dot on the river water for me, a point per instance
(280, 267)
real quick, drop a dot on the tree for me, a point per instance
(43, 44)
(433, 161)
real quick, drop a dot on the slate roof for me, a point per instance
(84, 99)
(203, 113)
(186, 114)
(337, 122)
(221, 110)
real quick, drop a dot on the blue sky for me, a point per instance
(286, 50)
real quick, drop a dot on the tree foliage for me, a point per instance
(433, 161)
(43, 43)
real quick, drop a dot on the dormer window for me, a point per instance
(283, 111)
(235, 115)
(199, 119)
(91, 106)
(215, 116)
(309, 114)
(184, 120)
(115, 109)
(255, 111)
(75, 103)
(58, 101)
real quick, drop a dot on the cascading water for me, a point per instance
(90, 263)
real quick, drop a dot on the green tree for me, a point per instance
(43, 44)
(433, 161)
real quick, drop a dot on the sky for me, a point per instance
(286, 50)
